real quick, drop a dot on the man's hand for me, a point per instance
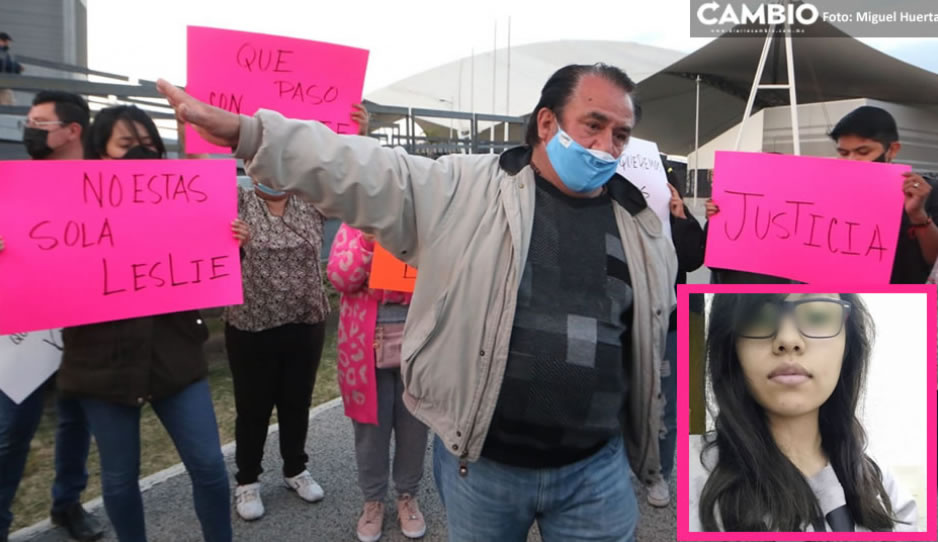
(215, 125)
(712, 208)
(916, 190)
(676, 203)
(241, 232)
(360, 115)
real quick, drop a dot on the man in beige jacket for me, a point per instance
(534, 339)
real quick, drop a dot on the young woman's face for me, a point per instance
(125, 136)
(788, 373)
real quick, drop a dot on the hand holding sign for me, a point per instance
(712, 208)
(677, 204)
(1, 244)
(360, 116)
(916, 190)
(214, 124)
(241, 232)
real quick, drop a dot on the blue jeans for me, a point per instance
(189, 418)
(668, 442)
(591, 499)
(18, 424)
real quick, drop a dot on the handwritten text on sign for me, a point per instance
(93, 241)
(27, 360)
(242, 72)
(807, 219)
(389, 273)
(641, 165)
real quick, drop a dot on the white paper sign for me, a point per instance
(641, 165)
(27, 360)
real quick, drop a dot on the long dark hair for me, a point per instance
(754, 485)
(97, 137)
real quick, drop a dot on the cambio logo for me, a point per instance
(710, 14)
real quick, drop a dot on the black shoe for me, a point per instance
(81, 525)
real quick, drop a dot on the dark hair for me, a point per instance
(754, 485)
(868, 122)
(69, 107)
(558, 89)
(104, 121)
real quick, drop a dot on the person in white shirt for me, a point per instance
(788, 452)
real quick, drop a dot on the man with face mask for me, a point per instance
(533, 343)
(53, 131)
(870, 134)
(8, 64)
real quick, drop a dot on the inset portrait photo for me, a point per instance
(806, 415)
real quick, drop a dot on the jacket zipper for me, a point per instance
(464, 458)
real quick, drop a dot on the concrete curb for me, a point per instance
(28, 533)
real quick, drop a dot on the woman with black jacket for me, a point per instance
(114, 368)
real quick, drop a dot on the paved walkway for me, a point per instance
(170, 515)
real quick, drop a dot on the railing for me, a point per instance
(385, 118)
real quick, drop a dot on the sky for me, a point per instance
(136, 38)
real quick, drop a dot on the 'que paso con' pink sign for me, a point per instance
(100, 240)
(243, 72)
(807, 219)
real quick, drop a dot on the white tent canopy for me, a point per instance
(466, 84)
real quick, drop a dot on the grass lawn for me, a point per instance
(33, 499)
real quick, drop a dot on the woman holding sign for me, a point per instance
(114, 368)
(275, 338)
(371, 328)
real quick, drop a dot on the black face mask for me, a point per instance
(36, 141)
(142, 153)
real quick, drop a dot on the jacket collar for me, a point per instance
(622, 191)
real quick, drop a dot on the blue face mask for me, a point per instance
(266, 190)
(580, 169)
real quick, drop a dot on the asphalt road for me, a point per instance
(171, 518)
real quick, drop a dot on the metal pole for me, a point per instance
(755, 85)
(792, 95)
(508, 83)
(472, 82)
(696, 139)
(494, 51)
(494, 73)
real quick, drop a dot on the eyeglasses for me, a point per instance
(29, 123)
(814, 318)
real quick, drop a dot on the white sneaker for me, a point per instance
(305, 487)
(658, 494)
(249, 504)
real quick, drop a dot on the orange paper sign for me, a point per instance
(389, 273)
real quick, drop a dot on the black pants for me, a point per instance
(275, 367)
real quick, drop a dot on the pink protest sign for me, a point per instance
(93, 241)
(807, 219)
(243, 72)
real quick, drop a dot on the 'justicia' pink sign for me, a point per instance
(805, 218)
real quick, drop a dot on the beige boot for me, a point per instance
(369, 525)
(410, 517)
